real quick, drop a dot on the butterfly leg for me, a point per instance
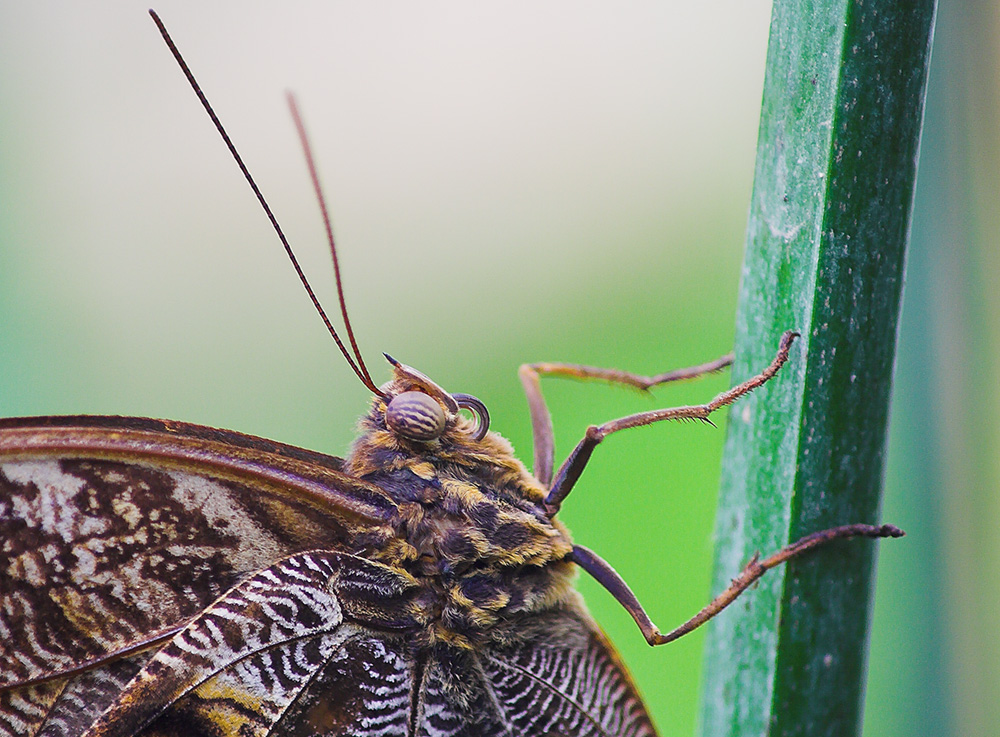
(541, 420)
(571, 469)
(602, 571)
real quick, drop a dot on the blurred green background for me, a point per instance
(509, 182)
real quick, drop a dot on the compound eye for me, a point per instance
(415, 416)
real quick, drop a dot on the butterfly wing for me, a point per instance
(318, 644)
(115, 532)
(556, 675)
(253, 662)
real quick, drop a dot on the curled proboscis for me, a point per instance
(469, 402)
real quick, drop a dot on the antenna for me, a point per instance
(314, 176)
(359, 368)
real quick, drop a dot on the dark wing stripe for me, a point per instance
(363, 688)
(491, 694)
(562, 678)
(270, 654)
(65, 708)
(530, 697)
(21, 712)
(261, 686)
(439, 716)
(232, 630)
(550, 674)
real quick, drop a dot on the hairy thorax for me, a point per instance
(471, 529)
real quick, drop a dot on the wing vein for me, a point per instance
(547, 685)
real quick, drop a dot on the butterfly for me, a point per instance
(164, 578)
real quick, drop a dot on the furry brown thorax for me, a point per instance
(471, 527)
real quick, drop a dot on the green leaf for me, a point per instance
(826, 241)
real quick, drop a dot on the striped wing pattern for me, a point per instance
(242, 666)
(276, 655)
(562, 679)
(570, 683)
(65, 707)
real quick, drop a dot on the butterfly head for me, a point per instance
(418, 409)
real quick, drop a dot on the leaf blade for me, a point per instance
(826, 242)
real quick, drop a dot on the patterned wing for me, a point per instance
(321, 644)
(299, 648)
(116, 532)
(558, 676)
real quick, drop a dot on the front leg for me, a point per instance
(571, 469)
(541, 419)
